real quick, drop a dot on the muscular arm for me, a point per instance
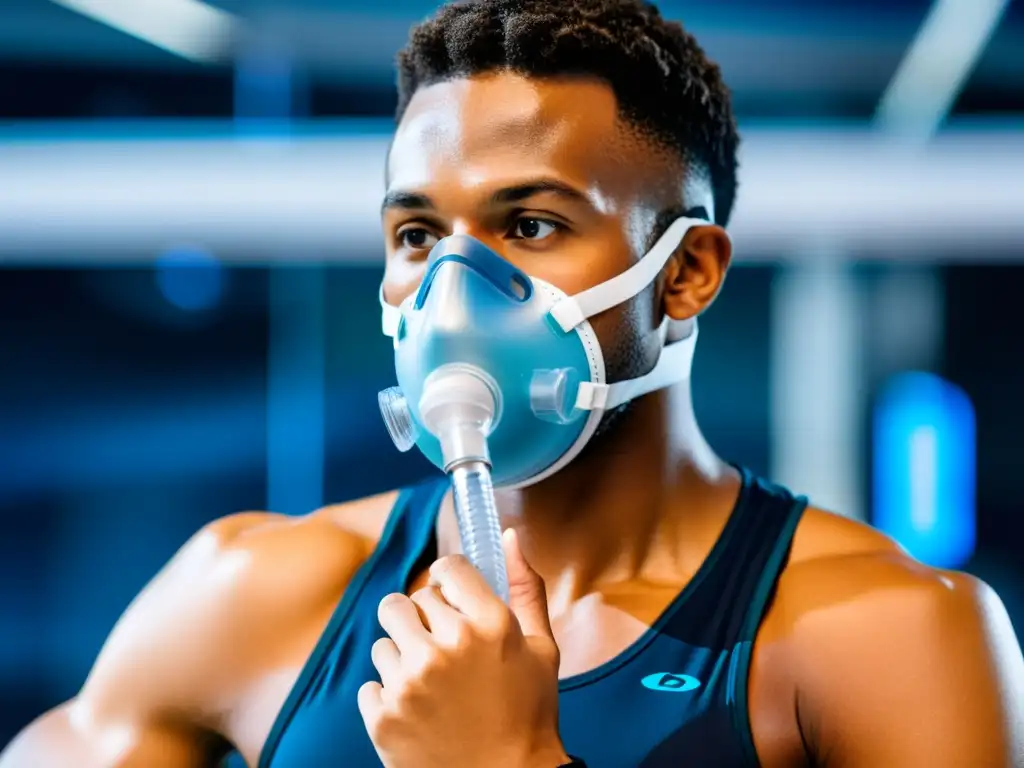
(65, 737)
(247, 594)
(903, 666)
(151, 699)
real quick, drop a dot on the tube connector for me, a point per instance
(460, 406)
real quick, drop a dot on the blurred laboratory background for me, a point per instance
(189, 259)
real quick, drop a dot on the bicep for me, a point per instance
(927, 675)
(68, 735)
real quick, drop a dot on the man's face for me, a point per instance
(545, 173)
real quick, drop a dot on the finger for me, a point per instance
(527, 595)
(400, 618)
(388, 661)
(465, 589)
(441, 618)
(371, 704)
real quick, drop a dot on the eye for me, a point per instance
(417, 238)
(530, 228)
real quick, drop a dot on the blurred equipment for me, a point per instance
(188, 28)
(936, 66)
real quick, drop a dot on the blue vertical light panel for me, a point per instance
(924, 468)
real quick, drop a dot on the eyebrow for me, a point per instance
(400, 199)
(406, 201)
(528, 189)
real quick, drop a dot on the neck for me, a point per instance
(630, 497)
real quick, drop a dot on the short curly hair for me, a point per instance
(665, 85)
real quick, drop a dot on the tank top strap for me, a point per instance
(738, 580)
(412, 538)
(406, 542)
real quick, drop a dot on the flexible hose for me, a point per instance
(479, 526)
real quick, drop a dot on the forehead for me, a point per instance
(498, 127)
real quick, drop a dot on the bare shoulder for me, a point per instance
(363, 519)
(246, 573)
(872, 634)
(840, 567)
(228, 592)
(823, 535)
(281, 567)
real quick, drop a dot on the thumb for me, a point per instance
(527, 598)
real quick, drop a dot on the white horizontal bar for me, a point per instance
(317, 197)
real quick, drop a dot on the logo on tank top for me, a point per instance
(665, 681)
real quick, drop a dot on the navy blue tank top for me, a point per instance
(677, 696)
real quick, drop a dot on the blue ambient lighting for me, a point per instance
(924, 468)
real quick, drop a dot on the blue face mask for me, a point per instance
(499, 366)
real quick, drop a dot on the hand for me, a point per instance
(467, 680)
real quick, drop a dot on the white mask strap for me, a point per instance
(390, 316)
(573, 310)
(674, 365)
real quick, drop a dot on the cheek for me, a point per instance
(571, 270)
(629, 338)
(581, 261)
(620, 335)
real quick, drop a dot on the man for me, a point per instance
(677, 612)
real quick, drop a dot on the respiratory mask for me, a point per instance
(501, 379)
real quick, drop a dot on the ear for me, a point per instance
(695, 273)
